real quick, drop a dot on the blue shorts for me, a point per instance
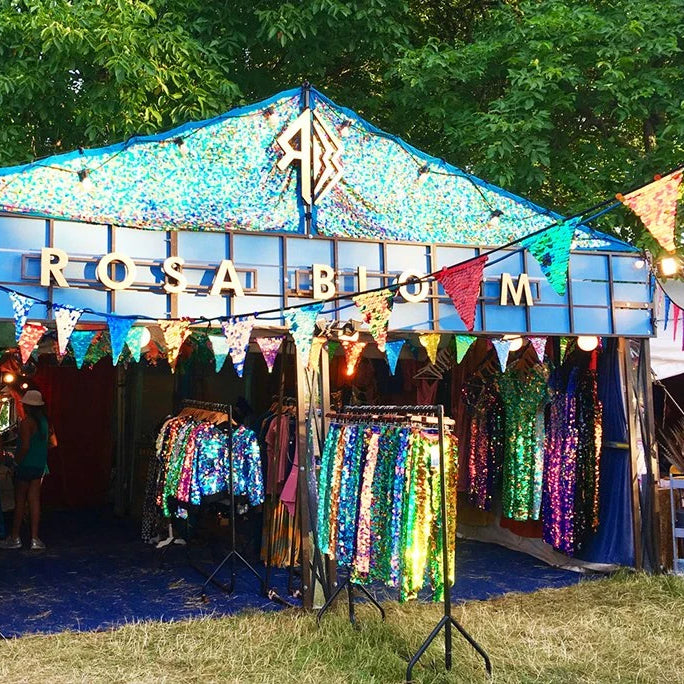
(28, 473)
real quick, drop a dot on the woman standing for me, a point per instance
(31, 459)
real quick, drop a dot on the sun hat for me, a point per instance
(33, 398)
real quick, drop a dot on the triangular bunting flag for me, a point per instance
(463, 343)
(392, 352)
(80, 342)
(376, 308)
(175, 333)
(302, 323)
(352, 355)
(333, 346)
(134, 341)
(65, 319)
(20, 306)
(221, 348)
(552, 250)
(668, 302)
(270, 346)
(30, 336)
(539, 345)
(118, 332)
(431, 342)
(238, 331)
(656, 206)
(315, 353)
(502, 347)
(563, 348)
(462, 283)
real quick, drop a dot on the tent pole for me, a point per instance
(631, 406)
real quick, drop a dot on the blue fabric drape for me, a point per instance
(613, 542)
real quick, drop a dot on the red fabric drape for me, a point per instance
(80, 407)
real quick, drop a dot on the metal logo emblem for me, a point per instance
(310, 142)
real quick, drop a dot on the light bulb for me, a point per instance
(516, 342)
(84, 180)
(639, 264)
(8, 378)
(182, 147)
(345, 128)
(145, 338)
(495, 218)
(422, 174)
(587, 342)
(24, 385)
(668, 266)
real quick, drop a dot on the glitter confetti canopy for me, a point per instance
(175, 333)
(134, 341)
(539, 346)
(656, 206)
(20, 306)
(65, 320)
(237, 332)
(376, 309)
(30, 336)
(431, 342)
(118, 332)
(552, 250)
(221, 348)
(503, 348)
(463, 343)
(80, 342)
(221, 174)
(352, 355)
(302, 323)
(462, 284)
(270, 346)
(392, 352)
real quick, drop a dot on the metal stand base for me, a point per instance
(446, 622)
(350, 596)
(229, 588)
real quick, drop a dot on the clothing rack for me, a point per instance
(447, 621)
(233, 553)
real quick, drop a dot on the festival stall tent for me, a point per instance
(271, 220)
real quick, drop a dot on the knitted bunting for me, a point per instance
(462, 283)
(28, 341)
(392, 352)
(118, 332)
(656, 206)
(175, 333)
(270, 346)
(315, 353)
(80, 342)
(463, 343)
(302, 323)
(502, 347)
(65, 319)
(552, 250)
(221, 348)
(134, 341)
(352, 355)
(376, 308)
(20, 306)
(539, 345)
(431, 342)
(238, 332)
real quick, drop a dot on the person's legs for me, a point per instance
(21, 489)
(34, 506)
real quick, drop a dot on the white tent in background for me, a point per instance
(667, 355)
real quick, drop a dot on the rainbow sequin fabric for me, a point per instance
(379, 504)
(195, 464)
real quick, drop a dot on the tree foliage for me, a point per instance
(563, 101)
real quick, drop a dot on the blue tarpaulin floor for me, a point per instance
(96, 575)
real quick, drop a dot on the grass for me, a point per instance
(629, 628)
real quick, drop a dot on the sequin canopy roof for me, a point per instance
(222, 174)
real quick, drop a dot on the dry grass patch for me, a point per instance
(623, 629)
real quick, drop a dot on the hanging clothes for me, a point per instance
(524, 394)
(379, 503)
